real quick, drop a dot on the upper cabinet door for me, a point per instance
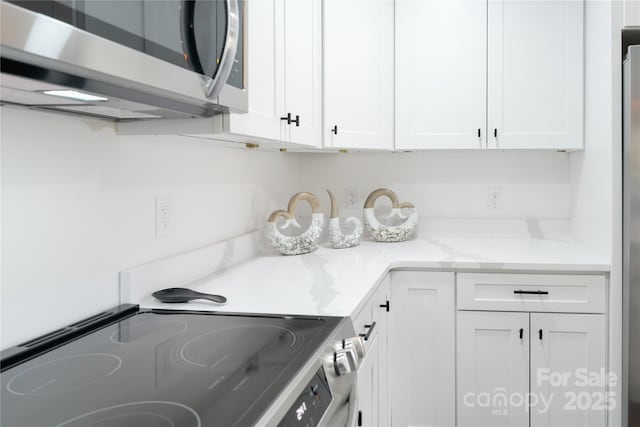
(441, 57)
(535, 74)
(572, 346)
(303, 70)
(358, 74)
(265, 36)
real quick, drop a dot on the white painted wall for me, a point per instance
(78, 206)
(450, 184)
(591, 169)
(631, 13)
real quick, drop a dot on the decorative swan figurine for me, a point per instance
(305, 242)
(388, 233)
(336, 238)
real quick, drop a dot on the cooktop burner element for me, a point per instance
(64, 374)
(162, 367)
(157, 414)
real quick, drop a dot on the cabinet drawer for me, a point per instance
(531, 292)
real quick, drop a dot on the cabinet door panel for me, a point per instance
(303, 69)
(492, 360)
(265, 35)
(535, 74)
(383, 295)
(573, 346)
(358, 73)
(422, 351)
(368, 386)
(440, 73)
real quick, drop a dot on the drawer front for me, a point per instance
(531, 292)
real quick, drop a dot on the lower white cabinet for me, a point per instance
(373, 376)
(422, 351)
(571, 345)
(492, 359)
(369, 387)
(530, 369)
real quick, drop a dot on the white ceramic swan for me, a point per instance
(305, 242)
(389, 233)
(337, 239)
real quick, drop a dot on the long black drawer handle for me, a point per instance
(521, 333)
(520, 292)
(540, 333)
(370, 328)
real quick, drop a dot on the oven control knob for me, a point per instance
(357, 344)
(345, 361)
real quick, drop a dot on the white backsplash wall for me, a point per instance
(449, 184)
(78, 206)
(78, 202)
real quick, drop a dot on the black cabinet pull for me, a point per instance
(478, 132)
(290, 120)
(287, 118)
(521, 333)
(359, 418)
(335, 130)
(495, 133)
(370, 328)
(521, 292)
(540, 333)
(386, 305)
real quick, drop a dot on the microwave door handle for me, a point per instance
(187, 10)
(213, 86)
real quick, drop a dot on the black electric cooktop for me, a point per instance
(159, 368)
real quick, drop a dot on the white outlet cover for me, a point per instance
(164, 217)
(352, 197)
(494, 198)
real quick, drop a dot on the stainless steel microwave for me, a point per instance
(125, 59)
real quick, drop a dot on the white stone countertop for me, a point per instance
(337, 282)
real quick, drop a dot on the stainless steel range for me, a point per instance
(133, 367)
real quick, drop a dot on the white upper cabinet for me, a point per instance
(284, 73)
(358, 74)
(265, 73)
(535, 74)
(496, 74)
(441, 60)
(303, 71)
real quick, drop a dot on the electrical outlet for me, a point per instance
(164, 217)
(352, 197)
(494, 198)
